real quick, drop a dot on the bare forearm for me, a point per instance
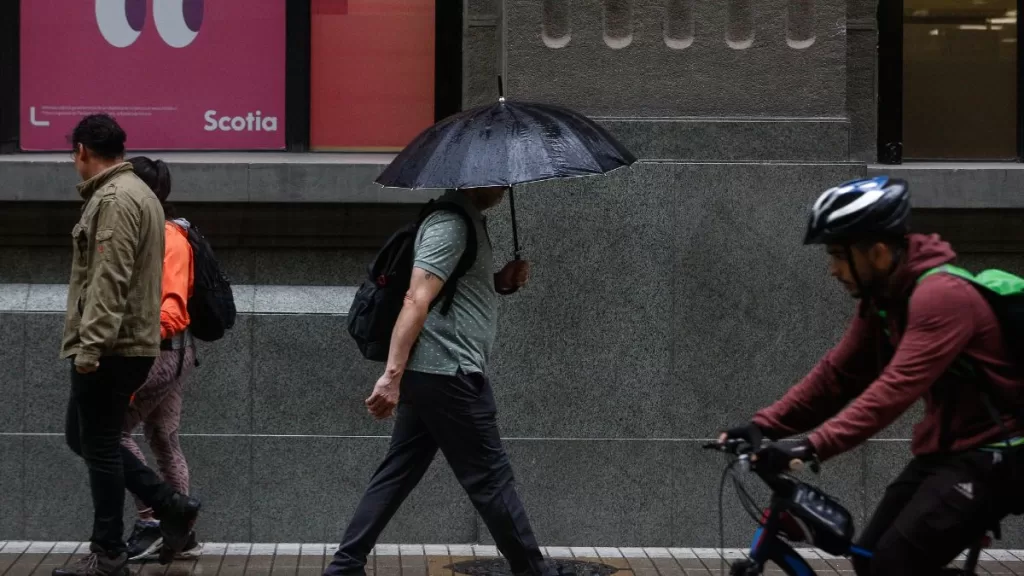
(407, 330)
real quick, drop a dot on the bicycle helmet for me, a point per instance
(869, 208)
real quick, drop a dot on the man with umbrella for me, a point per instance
(436, 366)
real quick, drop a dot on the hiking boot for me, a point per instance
(145, 541)
(176, 522)
(96, 564)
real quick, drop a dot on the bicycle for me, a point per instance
(799, 512)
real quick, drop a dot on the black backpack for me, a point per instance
(211, 308)
(377, 303)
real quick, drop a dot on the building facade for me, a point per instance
(667, 300)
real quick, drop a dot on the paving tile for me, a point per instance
(25, 565)
(653, 553)
(234, 564)
(559, 552)
(462, 550)
(678, 553)
(67, 547)
(263, 549)
(410, 549)
(608, 552)
(485, 551)
(697, 571)
(289, 549)
(667, 567)
(149, 569)
(641, 566)
(55, 559)
(712, 560)
(260, 564)
(583, 552)
(181, 568)
(1015, 566)
(991, 567)
(284, 564)
(311, 560)
(413, 564)
(209, 563)
(613, 557)
(633, 552)
(435, 549)
(437, 560)
(691, 564)
(455, 559)
(388, 565)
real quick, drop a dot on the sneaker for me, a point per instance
(96, 565)
(176, 522)
(145, 541)
(192, 550)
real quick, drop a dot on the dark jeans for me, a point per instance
(458, 415)
(939, 506)
(95, 418)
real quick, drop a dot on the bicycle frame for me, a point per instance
(767, 546)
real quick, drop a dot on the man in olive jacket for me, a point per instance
(112, 335)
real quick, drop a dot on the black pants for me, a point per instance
(939, 506)
(458, 415)
(95, 418)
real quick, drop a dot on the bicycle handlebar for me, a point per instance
(743, 449)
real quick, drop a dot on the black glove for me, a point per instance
(777, 458)
(750, 433)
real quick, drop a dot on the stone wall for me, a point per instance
(667, 300)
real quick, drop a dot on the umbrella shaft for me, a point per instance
(515, 231)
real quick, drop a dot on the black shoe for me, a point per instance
(96, 564)
(176, 522)
(145, 541)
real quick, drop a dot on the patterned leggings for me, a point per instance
(157, 405)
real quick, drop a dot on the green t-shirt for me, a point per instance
(463, 338)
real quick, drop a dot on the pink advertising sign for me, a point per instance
(176, 74)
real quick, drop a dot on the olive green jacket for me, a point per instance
(116, 273)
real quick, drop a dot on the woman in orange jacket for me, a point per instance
(157, 404)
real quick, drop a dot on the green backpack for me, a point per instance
(1004, 293)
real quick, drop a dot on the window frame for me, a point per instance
(889, 125)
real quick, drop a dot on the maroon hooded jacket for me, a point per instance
(857, 394)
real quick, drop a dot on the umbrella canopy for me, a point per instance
(505, 144)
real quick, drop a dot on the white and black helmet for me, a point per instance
(869, 208)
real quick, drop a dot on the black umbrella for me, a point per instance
(505, 144)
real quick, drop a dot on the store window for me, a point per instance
(372, 73)
(960, 78)
(185, 75)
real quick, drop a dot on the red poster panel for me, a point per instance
(176, 74)
(372, 73)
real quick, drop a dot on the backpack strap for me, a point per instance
(466, 261)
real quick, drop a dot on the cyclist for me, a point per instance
(934, 338)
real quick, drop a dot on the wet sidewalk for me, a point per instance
(40, 558)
